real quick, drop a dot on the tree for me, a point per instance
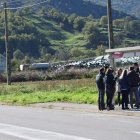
(47, 57)
(18, 55)
(78, 23)
(90, 53)
(63, 54)
(119, 23)
(134, 27)
(76, 52)
(26, 60)
(42, 12)
(100, 50)
(91, 33)
(103, 21)
(15, 64)
(118, 38)
(71, 18)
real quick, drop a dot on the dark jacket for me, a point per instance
(124, 83)
(100, 81)
(110, 82)
(133, 79)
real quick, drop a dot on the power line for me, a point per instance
(19, 1)
(12, 1)
(27, 6)
(115, 3)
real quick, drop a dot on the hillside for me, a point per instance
(131, 7)
(79, 7)
(46, 34)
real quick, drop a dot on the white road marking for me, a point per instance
(137, 132)
(35, 134)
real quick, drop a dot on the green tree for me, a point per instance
(47, 57)
(100, 50)
(71, 18)
(91, 33)
(119, 23)
(118, 38)
(76, 52)
(134, 27)
(27, 60)
(18, 55)
(63, 54)
(15, 64)
(103, 21)
(79, 23)
(90, 53)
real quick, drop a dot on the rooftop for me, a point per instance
(126, 49)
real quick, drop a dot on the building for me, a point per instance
(124, 53)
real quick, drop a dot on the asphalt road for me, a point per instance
(23, 123)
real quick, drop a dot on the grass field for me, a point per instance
(72, 91)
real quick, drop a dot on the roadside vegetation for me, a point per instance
(72, 91)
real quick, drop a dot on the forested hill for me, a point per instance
(131, 7)
(82, 8)
(79, 7)
(47, 33)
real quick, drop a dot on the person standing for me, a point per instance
(123, 81)
(133, 81)
(136, 68)
(110, 88)
(101, 88)
(118, 90)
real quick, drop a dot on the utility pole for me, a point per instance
(110, 31)
(8, 60)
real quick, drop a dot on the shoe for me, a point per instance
(100, 108)
(123, 108)
(104, 108)
(112, 108)
(108, 108)
(131, 107)
(127, 108)
(138, 107)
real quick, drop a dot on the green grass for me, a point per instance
(72, 91)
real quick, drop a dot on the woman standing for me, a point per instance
(123, 80)
(118, 90)
(110, 88)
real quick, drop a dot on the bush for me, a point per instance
(66, 74)
(27, 76)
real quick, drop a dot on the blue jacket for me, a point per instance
(124, 83)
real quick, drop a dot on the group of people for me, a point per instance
(126, 83)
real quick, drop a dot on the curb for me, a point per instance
(89, 108)
(81, 108)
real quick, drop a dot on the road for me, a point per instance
(27, 123)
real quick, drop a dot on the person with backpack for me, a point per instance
(101, 88)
